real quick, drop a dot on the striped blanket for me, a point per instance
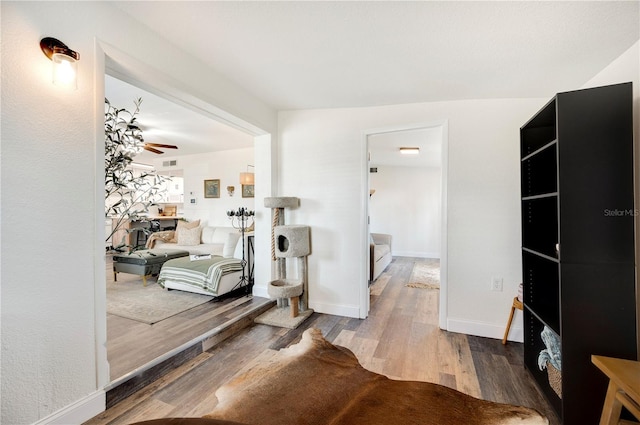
(204, 274)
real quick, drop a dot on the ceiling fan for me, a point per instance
(151, 147)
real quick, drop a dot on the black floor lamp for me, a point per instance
(240, 220)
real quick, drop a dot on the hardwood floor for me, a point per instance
(132, 344)
(400, 339)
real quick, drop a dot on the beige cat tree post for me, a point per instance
(288, 242)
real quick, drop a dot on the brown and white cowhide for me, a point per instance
(317, 383)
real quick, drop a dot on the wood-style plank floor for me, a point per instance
(400, 339)
(132, 344)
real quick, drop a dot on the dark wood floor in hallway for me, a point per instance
(400, 339)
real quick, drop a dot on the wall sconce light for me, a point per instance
(247, 178)
(230, 190)
(65, 62)
(410, 151)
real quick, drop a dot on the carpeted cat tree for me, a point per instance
(288, 242)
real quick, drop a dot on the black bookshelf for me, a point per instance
(578, 241)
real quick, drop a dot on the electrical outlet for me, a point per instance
(496, 284)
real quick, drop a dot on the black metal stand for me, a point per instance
(239, 220)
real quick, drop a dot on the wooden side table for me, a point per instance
(623, 390)
(516, 304)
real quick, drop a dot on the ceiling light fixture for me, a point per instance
(247, 177)
(65, 62)
(410, 151)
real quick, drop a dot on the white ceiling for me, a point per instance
(327, 54)
(168, 123)
(384, 148)
(316, 54)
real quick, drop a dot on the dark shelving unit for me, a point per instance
(578, 253)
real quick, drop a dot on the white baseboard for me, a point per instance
(79, 411)
(487, 330)
(418, 254)
(260, 291)
(335, 309)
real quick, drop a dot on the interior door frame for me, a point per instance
(364, 225)
(110, 60)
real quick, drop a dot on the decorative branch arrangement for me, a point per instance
(128, 193)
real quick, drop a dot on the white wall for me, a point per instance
(624, 69)
(53, 366)
(266, 178)
(53, 330)
(407, 205)
(321, 159)
(225, 166)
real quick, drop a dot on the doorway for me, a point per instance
(416, 187)
(153, 82)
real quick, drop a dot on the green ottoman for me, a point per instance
(145, 262)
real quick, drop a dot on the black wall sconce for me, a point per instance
(65, 62)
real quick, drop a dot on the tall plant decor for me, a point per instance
(128, 192)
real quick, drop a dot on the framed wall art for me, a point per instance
(247, 191)
(212, 188)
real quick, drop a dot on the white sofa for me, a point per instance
(223, 241)
(379, 254)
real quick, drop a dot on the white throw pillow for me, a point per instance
(230, 244)
(238, 252)
(220, 234)
(188, 236)
(188, 225)
(207, 234)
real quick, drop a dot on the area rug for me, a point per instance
(425, 275)
(149, 304)
(315, 382)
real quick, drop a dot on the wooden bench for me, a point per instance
(624, 388)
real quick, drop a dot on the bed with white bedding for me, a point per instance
(209, 275)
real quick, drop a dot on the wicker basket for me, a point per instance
(555, 379)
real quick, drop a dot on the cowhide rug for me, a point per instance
(317, 383)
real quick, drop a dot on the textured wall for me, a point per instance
(53, 324)
(321, 160)
(48, 225)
